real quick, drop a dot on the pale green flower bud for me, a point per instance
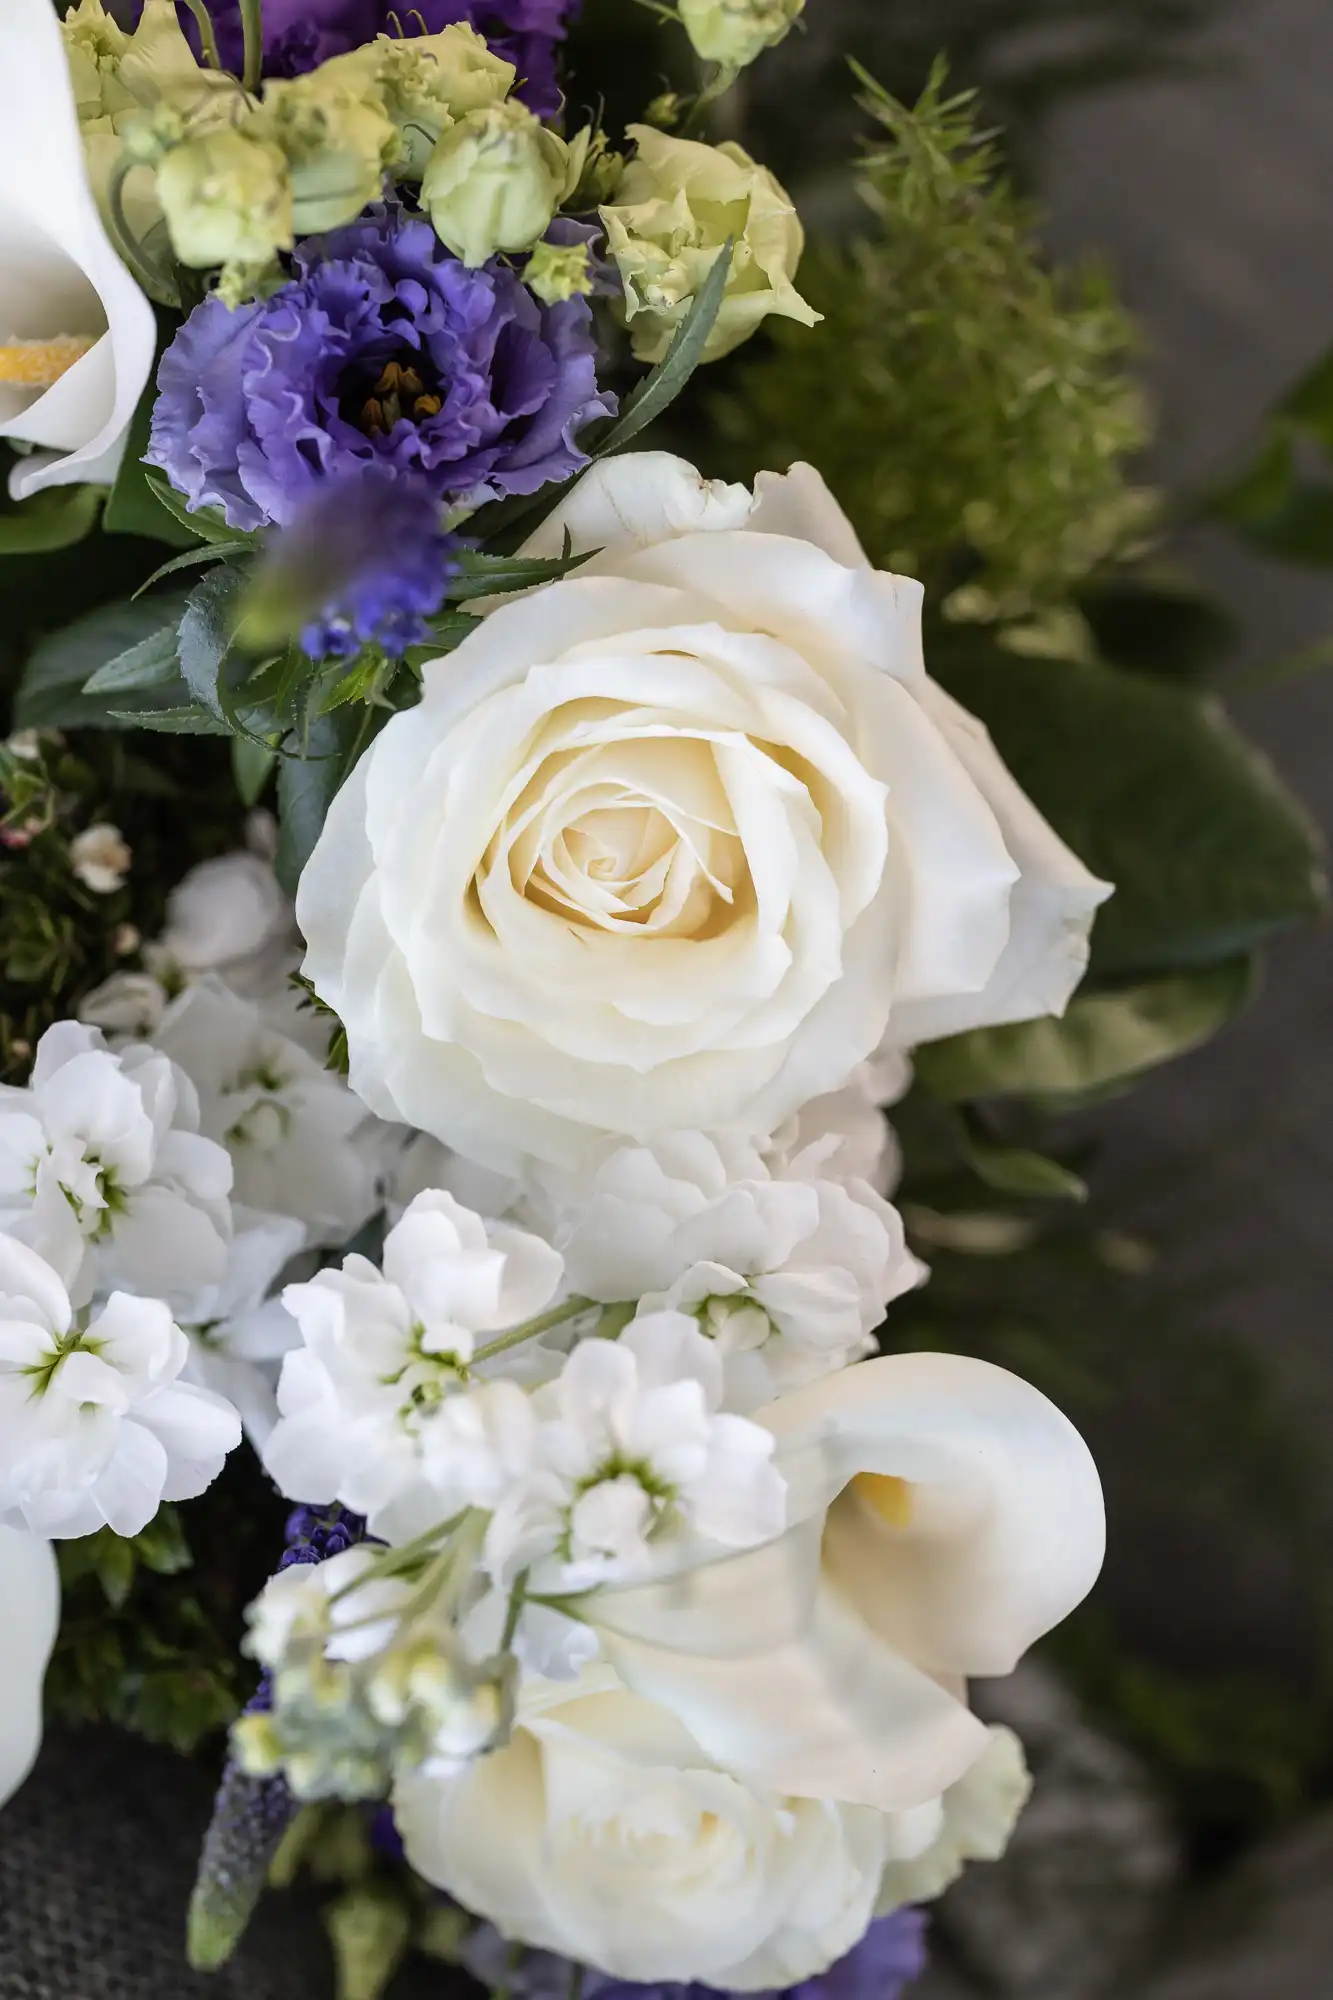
(558, 271)
(493, 182)
(338, 139)
(227, 198)
(735, 32)
(676, 205)
(431, 81)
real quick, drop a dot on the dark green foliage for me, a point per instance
(150, 1631)
(970, 410)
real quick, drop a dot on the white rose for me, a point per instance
(30, 1594)
(973, 1821)
(601, 1831)
(673, 841)
(942, 1514)
(63, 289)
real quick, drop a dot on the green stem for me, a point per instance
(575, 1982)
(532, 1328)
(517, 1597)
(208, 41)
(252, 30)
(153, 280)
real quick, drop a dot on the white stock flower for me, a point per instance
(60, 279)
(603, 1832)
(383, 1350)
(943, 1516)
(788, 1271)
(30, 1594)
(673, 841)
(238, 1334)
(972, 1821)
(100, 858)
(293, 1129)
(106, 1148)
(96, 1428)
(628, 1450)
(229, 916)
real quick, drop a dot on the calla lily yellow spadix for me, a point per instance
(39, 364)
(60, 278)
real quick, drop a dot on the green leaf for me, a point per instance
(1103, 1039)
(193, 558)
(181, 719)
(370, 1929)
(482, 575)
(153, 662)
(51, 694)
(207, 629)
(1015, 1171)
(1280, 502)
(52, 519)
(308, 776)
(659, 390)
(206, 524)
(1156, 792)
(162, 1546)
(1159, 625)
(252, 765)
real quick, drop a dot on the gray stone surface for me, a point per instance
(1075, 1905)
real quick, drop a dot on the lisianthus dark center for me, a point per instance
(376, 403)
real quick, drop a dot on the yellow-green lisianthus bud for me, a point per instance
(558, 271)
(121, 79)
(227, 198)
(337, 137)
(494, 180)
(676, 205)
(430, 81)
(735, 32)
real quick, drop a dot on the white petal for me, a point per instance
(637, 498)
(30, 1595)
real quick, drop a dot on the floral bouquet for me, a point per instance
(472, 882)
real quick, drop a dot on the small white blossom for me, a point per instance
(107, 1147)
(96, 1427)
(629, 1448)
(100, 858)
(383, 1350)
(292, 1128)
(126, 1003)
(786, 1266)
(238, 1334)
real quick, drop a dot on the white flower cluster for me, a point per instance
(151, 1196)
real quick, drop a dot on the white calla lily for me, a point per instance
(62, 286)
(30, 1594)
(944, 1516)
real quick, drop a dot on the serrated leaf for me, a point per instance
(192, 558)
(1103, 1039)
(1156, 792)
(309, 774)
(252, 766)
(659, 390)
(184, 719)
(153, 662)
(207, 629)
(55, 518)
(482, 575)
(206, 524)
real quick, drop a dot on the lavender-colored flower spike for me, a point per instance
(250, 1815)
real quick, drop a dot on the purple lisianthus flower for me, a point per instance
(383, 349)
(371, 552)
(889, 1957)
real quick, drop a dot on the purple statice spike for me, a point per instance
(383, 351)
(251, 1815)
